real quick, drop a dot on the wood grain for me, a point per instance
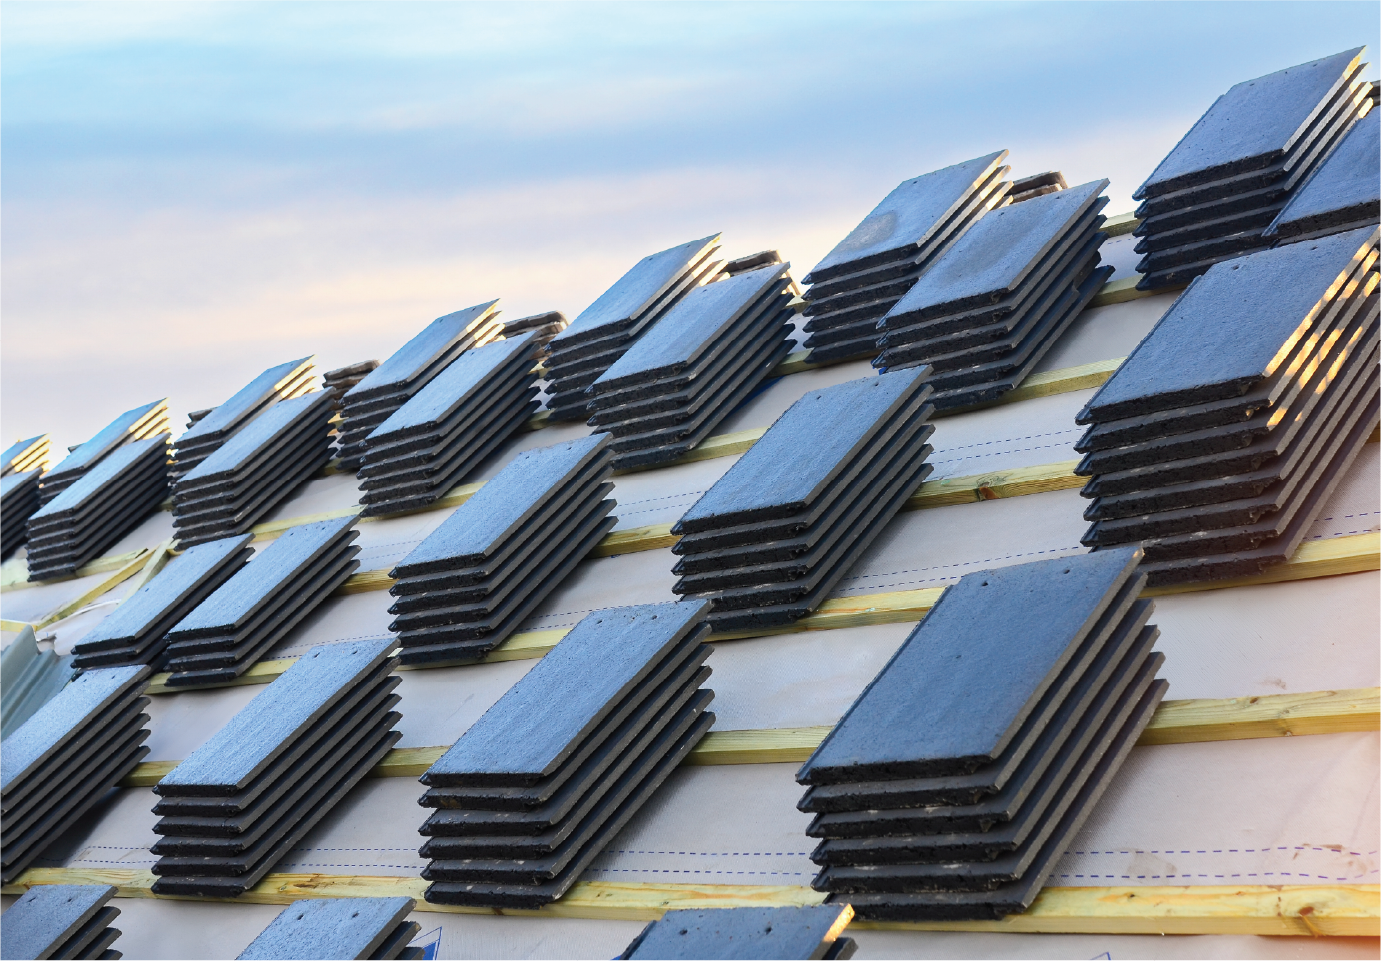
(1339, 910)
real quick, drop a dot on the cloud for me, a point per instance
(193, 192)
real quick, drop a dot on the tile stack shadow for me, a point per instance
(141, 423)
(694, 367)
(339, 928)
(254, 471)
(958, 778)
(242, 800)
(774, 535)
(449, 427)
(870, 269)
(209, 431)
(991, 306)
(603, 331)
(413, 366)
(135, 632)
(66, 758)
(61, 921)
(1219, 440)
(95, 512)
(1217, 191)
(538, 786)
(489, 565)
(261, 603)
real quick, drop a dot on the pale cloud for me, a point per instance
(193, 192)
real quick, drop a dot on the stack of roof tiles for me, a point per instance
(772, 537)
(339, 381)
(138, 424)
(1343, 194)
(959, 777)
(251, 473)
(990, 308)
(206, 434)
(18, 499)
(692, 368)
(545, 325)
(64, 759)
(34, 453)
(1036, 185)
(1221, 437)
(21, 466)
(256, 608)
(539, 785)
(135, 633)
(239, 803)
(389, 386)
(61, 921)
(338, 928)
(811, 931)
(763, 258)
(103, 506)
(608, 327)
(475, 578)
(870, 269)
(1216, 192)
(429, 444)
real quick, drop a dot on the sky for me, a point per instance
(193, 192)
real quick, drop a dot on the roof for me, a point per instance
(1211, 796)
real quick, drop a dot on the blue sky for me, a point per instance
(195, 191)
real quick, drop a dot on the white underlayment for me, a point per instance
(1280, 810)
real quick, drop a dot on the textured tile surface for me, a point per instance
(742, 933)
(1201, 348)
(909, 215)
(687, 330)
(415, 356)
(485, 522)
(803, 449)
(1347, 186)
(545, 715)
(958, 689)
(997, 253)
(636, 290)
(271, 568)
(105, 439)
(1254, 119)
(46, 915)
(330, 928)
(244, 401)
(44, 733)
(256, 735)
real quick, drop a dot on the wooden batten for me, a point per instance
(1347, 910)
